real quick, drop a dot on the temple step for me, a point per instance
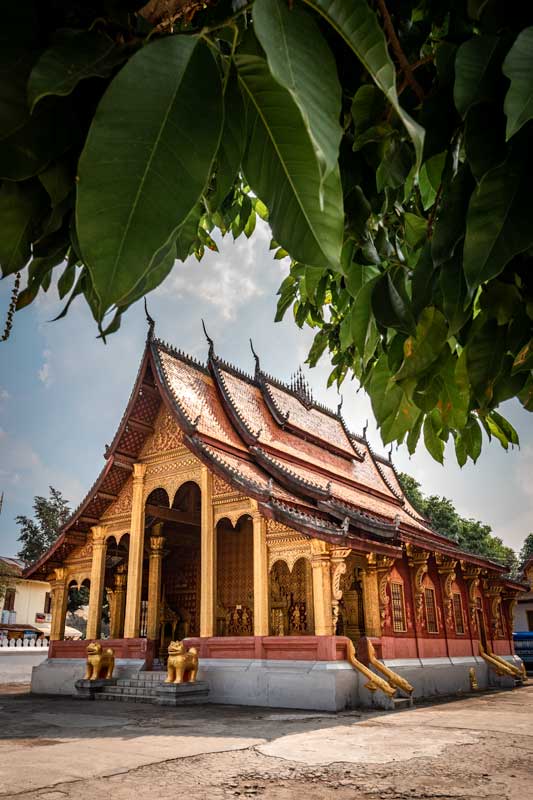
(402, 702)
(143, 688)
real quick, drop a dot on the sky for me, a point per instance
(63, 392)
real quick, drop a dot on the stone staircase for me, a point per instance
(139, 689)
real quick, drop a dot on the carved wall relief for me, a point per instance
(167, 435)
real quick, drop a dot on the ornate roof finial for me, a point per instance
(390, 453)
(209, 341)
(339, 407)
(300, 387)
(150, 321)
(257, 364)
(365, 429)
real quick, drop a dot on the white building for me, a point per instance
(523, 618)
(25, 603)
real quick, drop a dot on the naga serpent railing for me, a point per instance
(374, 681)
(500, 665)
(392, 677)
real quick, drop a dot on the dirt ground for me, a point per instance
(62, 749)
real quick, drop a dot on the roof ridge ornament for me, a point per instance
(209, 341)
(300, 387)
(151, 322)
(257, 362)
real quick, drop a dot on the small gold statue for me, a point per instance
(182, 664)
(100, 663)
(473, 679)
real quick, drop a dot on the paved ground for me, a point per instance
(63, 749)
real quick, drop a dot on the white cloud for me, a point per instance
(227, 280)
(44, 373)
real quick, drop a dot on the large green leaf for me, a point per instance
(19, 47)
(21, 207)
(498, 224)
(232, 142)
(518, 67)
(301, 61)
(422, 349)
(358, 25)
(161, 118)
(433, 442)
(450, 225)
(73, 57)
(475, 72)
(281, 167)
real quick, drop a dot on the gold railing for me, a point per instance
(391, 676)
(374, 681)
(500, 665)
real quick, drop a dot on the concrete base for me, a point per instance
(179, 694)
(59, 675)
(312, 685)
(17, 663)
(86, 689)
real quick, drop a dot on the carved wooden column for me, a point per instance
(383, 566)
(371, 597)
(493, 591)
(157, 542)
(471, 578)
(208, 568)
(96, 596)
(132, 619)
(59, 604)
(321, 566)
(446, 568)
(260, 575)
(418, 561)
(338, 569)
(117, 603)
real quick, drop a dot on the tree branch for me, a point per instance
(397, 48)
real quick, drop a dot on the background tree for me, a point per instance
(471, 535)
(38, 534)
(527, 549)
(386, 142)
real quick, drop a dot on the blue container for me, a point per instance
(523, 645)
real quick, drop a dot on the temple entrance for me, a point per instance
(351, 617)
(481, 623)
(235, 578)
(170, 606)
(291, 599)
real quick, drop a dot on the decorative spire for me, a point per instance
(256, 357)
(365, 430)
(390, 453)
(150, 321)
(339, 407)
(300, 387)
(209, 341)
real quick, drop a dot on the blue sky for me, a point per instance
(63, 392)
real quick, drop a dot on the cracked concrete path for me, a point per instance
(62, 748)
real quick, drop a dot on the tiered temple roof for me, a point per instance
(272, 442)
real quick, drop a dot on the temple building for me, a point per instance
(235, 512)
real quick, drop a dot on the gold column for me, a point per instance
(418, 561)
(338, 569)
(157, 542)
(321, 566)
(59, 604)
(117, 603)
(208, 568)
(135, 562)
(94, 616)
(260, 576)
(371, 597)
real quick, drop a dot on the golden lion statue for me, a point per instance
(100, 663)
(182, 664)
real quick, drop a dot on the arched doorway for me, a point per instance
(235, 578)
(291, 599)
(170, 605)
